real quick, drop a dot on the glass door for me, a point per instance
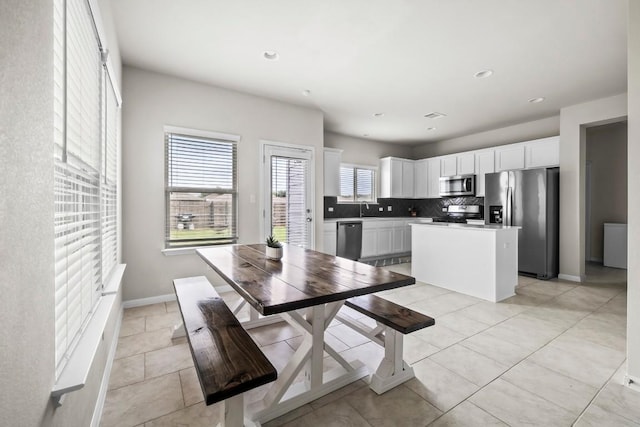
(287, 214)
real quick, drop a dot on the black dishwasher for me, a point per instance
(349, 242)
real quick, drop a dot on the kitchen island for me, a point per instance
(477, 260)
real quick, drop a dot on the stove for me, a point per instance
(460, 214)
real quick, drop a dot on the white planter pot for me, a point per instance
(274, 253)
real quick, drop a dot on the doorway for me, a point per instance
(288, 193)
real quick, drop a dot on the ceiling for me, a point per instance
(403, 58)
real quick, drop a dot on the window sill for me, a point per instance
(74, 375)
(190, 249)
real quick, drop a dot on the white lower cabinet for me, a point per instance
(384, 240)
(330, 237)
(369, 242)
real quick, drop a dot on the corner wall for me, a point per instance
(573, 123)
(154, 100)
(633, 272)
(27, 309)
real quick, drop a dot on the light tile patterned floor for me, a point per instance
(553, 355)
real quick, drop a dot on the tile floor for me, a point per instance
(553, 355)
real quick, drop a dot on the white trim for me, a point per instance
(104, 385)
(202, 133)
(148, 301)
(570, 277)
(112, 286)
(189, 250)
(359, 166)
(76, 371)
(165, 298)
(632, 382)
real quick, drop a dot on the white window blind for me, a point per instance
(288, 200)
(201, 190)
(357, 184)
(85, 177)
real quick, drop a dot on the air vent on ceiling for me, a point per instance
(434, 115)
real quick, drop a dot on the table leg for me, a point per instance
(283, 395)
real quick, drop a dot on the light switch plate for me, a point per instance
(330, 209)
(380, 209)
(389, 208)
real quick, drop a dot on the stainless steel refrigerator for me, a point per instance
(528, 199)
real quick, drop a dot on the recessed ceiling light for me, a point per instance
(306, 92)
(434, 115)
(431, 129)
(271, 55)
(482, 74)
(536, 100)
(378, 114)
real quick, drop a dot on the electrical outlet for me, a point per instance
(444, 209)
(330, 209)
(389, 208)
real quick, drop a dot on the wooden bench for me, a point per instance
(227, 360)
(393, 321)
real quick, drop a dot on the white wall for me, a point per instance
(633, 272)
(154, 100)
(365, 151)
(507, 135)
(573, 123)
(27, 305)
(606, 150)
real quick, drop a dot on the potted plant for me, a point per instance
(274, 248)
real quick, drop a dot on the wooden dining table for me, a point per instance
(306, 289)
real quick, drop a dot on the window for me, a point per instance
(201, 188)
(86, 120)
(357, 184)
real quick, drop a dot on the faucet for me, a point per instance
(366, 205)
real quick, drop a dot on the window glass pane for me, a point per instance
(201, 191)
(365, 185)
(346, 184)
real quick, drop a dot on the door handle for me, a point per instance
(309, 219)
(509, 205)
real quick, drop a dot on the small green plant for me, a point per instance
(272, 242)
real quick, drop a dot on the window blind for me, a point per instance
(85, 173)
(288, 200)
(201, 190)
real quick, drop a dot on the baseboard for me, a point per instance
(165, 298)
(104, 385)
(632, 382)
(570, 277)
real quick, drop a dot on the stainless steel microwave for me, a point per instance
(460, 185)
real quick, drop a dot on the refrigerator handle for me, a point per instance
(509, 206)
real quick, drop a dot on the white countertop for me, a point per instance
(380, 218)
(486, 227)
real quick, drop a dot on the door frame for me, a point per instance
(263, 184)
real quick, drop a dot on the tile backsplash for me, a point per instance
(395, 207)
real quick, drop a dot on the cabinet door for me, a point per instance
(396, 178)
(397, 237)
(369, 242)
(407, 179)
(406, 242)
(509, 157)
(332, 160)
(486, 164)
(384, 241)
(434, 177)
(448, 166)
(420, 179)
(466, 163)
(385, 177)
(543, 153)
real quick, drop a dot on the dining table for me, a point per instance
(305, 288)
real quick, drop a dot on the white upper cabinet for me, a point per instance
(421, 179)
(542, 153)
(433, 177)
(448, 166)
(396, 178)
(509, 157)
(485, 161)
(332, 159)
(466, 163)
